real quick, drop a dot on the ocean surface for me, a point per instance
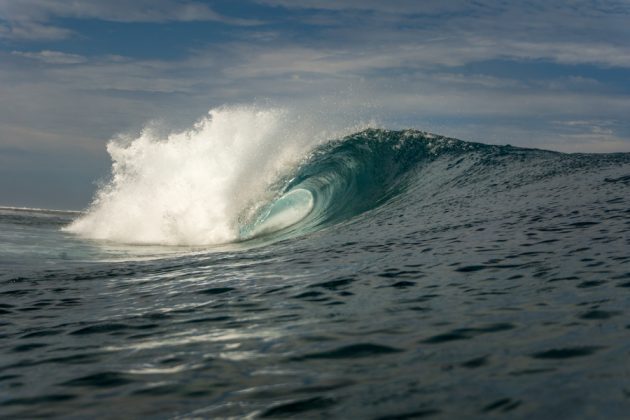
(383, 275)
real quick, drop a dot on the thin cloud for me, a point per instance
(402, 7)
(52, 57)
(28, 30)
(34, 19)
(396, 7)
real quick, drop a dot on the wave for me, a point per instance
(195, 187)
(246, 173)
(249, 174)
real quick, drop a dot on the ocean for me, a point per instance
(381, 275)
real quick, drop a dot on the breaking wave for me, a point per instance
(251, 174)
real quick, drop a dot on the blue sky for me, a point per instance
(73, 74)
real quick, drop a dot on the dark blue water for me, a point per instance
(432, 278)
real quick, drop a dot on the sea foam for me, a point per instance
(191, 187)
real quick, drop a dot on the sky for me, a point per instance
(74, 74)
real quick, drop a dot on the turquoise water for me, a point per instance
(392, 274)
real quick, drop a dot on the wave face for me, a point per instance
(346, 177)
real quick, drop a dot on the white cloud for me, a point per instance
(457, 32)
(30, 30)
(401, 7)
(397, 7)
(31, 19)
(52, 57)
(571, 52)
(586, 123)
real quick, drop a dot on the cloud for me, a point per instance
(579, 32)
(400, 7)
(52, 57)
(30, 30)
(423, 82)
(396, 7)
(571, 53)
(33, 19)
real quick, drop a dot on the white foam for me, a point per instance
(189, 188)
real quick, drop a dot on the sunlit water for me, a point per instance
(429, 277)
